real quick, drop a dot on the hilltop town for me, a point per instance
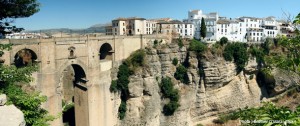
(241, 29)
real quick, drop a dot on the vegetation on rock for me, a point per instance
(135, 60)
(268, 115)
(238, 53)
(223, 41)
(168, 91)
(181, 74)
(175, 61)
(180, 43)
(198, 47)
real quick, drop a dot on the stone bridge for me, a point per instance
(76, 70)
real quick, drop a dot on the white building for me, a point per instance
(243, 29)
(229, 29)
(151, 26)
(247, 29)
(195, 16)
(129, 26)
(25, 35)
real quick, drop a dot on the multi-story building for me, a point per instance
(195, 16)
(229, 29)
(285, 28)
(176, 28)
(129, 26)
(243, 29)
(137, 26)
(108, 30)
(151, 26)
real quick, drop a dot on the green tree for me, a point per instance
(12, 9)
(267, 114)
(297, 19)
(198, 47)
(238, 53)
(28, 102)
(290, 58)
(223, 41)
(203, 29)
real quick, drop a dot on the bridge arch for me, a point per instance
(72, 87)
(105, 52)
(17, 48)
(24, 57)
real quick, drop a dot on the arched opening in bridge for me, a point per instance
(25, 57)
(74, 96)
(106, 52)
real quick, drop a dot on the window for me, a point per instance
(123, 24)
(191, 26)
(138, 30)
(257, 34)
(225, 30)
(117, 24)
(186, 26)
(250, 34)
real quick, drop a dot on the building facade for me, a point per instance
(176, 28)
(129, 26)
(195, 16)
(242, 29)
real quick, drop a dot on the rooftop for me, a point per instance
(129, 18)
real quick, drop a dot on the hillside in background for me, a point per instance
(97, 28)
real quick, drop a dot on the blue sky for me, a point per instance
(85, 13)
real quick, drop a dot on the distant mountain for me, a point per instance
(97, 28)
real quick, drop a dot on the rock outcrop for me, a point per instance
(11, 115)
(220, 90)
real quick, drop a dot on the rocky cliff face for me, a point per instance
(11, 115)
(220, 90)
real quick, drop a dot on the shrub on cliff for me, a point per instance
(198, 47)
(168, 91)
(267, 115)
(223, 41)
(175, 61)
(136, 59)
(181, 74)
(238, 53)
